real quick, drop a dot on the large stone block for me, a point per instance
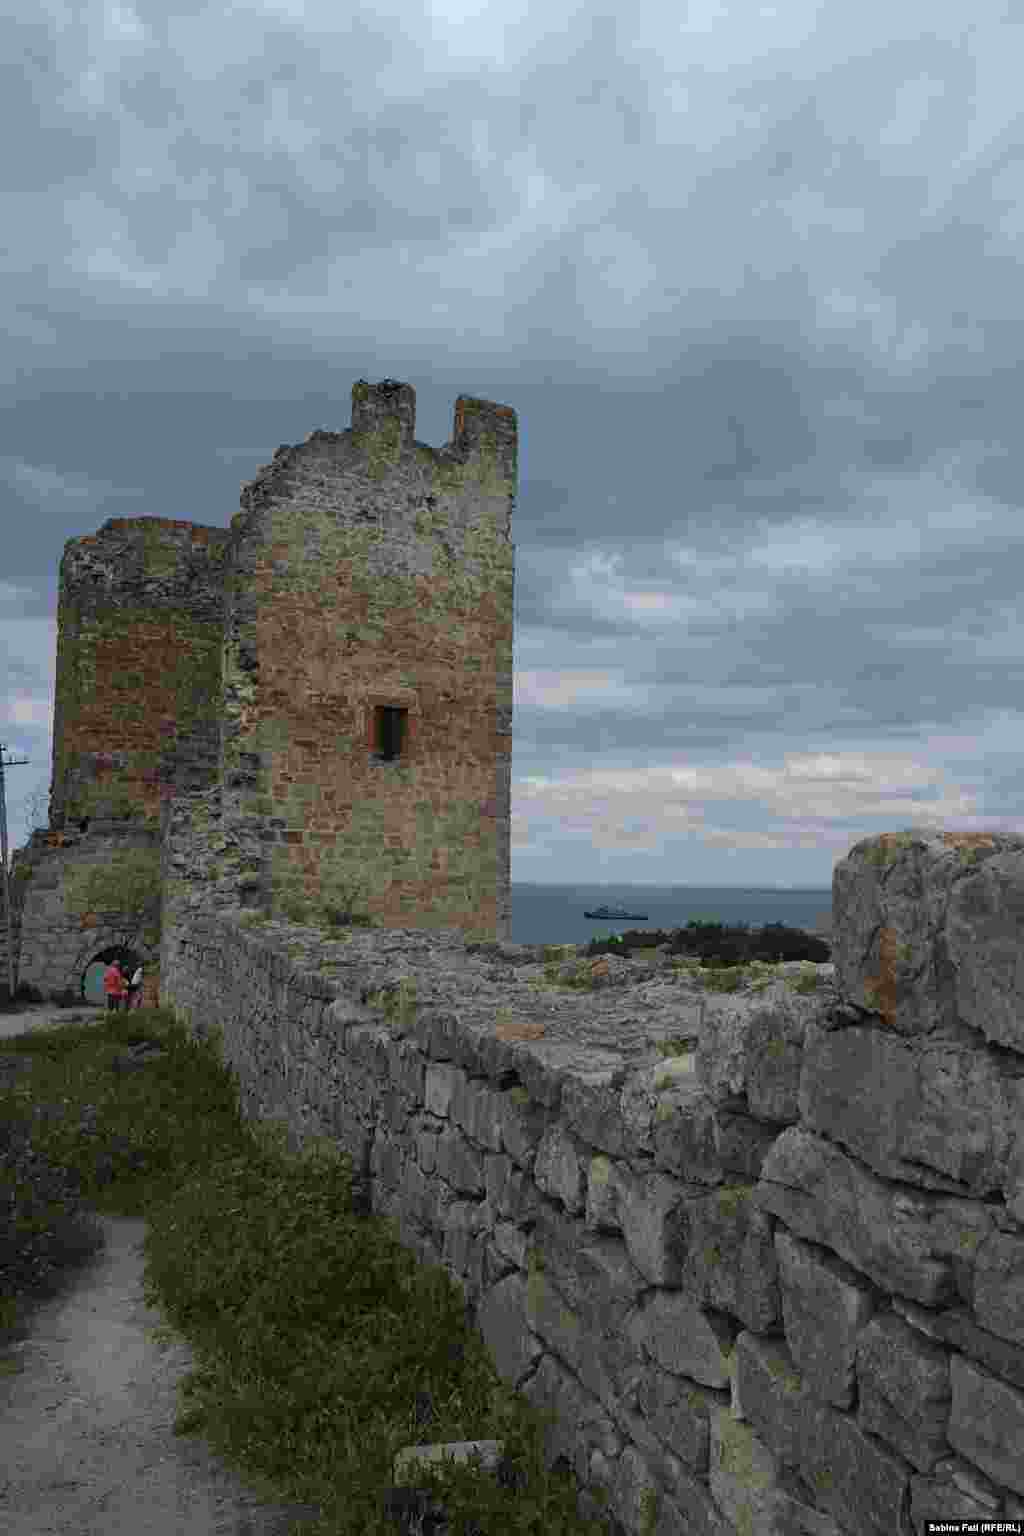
(825, 1306)
(905, 1394)
(742, 1476)
(751, 1048)
(929, 1112)
(927, 932)
(986, 1422)
(904, 1243)
(856, 1478)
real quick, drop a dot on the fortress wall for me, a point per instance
(776, 1282)
(140, 620)
(245, 671)
(370, 571)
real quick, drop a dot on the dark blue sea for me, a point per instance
(553, 914)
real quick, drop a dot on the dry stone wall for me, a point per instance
(776, 1282)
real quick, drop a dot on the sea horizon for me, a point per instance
(552, 912)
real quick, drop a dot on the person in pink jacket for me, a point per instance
(115, 986)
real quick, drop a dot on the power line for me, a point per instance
(15, 763)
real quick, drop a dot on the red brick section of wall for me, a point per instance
(138, 664)
(371, 571)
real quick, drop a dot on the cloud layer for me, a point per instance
(749, 275)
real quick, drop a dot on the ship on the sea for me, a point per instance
(604, 913)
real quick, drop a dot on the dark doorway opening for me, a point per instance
(92, 976)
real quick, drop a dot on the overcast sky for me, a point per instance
(751, 278)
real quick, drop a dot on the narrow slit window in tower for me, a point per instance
(389, 732)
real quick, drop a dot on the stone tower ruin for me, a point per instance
(313, 705)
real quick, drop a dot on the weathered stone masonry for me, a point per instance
(778, 1280)
(371, 573)
(135, 718)
(328, 684)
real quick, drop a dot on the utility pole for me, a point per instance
(16, 763)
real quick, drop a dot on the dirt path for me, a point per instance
(44, 1016)
(87, 1404)
(86, 1421)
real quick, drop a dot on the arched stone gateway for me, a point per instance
(92, 976)
(63, 929)
(98, 946)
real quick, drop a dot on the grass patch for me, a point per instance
(755, 974)
(314, 1332)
